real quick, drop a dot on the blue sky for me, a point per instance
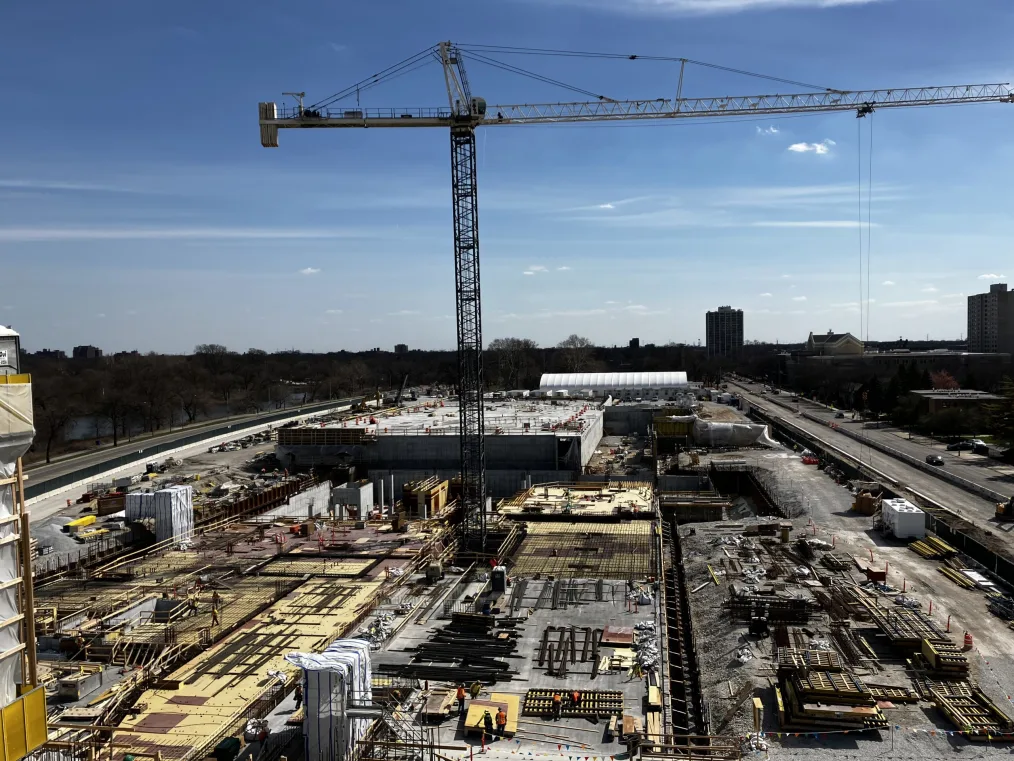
(138, 210)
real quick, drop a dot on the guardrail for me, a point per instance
(51, 484)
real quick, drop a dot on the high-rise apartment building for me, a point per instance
(991, 320)
(724, 331)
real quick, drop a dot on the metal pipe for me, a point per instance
(26, 576)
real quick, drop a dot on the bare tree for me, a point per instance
(512, 358)
(56, 400)
(577, 352)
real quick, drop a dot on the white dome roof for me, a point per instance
(596, 381)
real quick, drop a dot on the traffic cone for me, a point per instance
(968, 641)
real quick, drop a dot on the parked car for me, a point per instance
(960, 446)
(839, 415)
(934, 459)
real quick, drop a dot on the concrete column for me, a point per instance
(392, 494)
(380, 486)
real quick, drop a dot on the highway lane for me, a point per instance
(979, 469)
(42, 472)
(968, 505)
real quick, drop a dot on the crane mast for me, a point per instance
(465, 113)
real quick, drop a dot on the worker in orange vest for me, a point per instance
(557, 705)
(501, 721)
(575, 698)
(461, 700)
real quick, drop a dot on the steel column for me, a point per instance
(465, 199)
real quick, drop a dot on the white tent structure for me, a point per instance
(657, 385)
(332, 680)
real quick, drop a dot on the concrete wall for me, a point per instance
(621, 421)
(499, 483)
(360, 497)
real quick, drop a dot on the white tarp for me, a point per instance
(16, 434)
(139, 505)
(174, 513)
(708, 433)
(333, 679)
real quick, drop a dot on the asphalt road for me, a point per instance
(979, 469)
(42, 472)
(968, 505)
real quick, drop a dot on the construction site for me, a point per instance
(614, 565)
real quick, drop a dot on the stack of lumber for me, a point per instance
(792, 660)
(827, 700)
(932, 548)
(944, 658)
(975, 715)
(594, 703)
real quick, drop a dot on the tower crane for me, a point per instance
(465, 113)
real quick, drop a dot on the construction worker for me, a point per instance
(298, 695)
(557, 705)
(215, 599)
(461, 699)
(487, 723)
(474, 689)
(214, 617)
(501, 721)
(575, 698)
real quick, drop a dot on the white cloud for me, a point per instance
(404, 313)
(786, 276)
(799, 298)
(765, 295)
(131, 311)
(922, 303)
(562, 269)
(608, 303)
(309, 271)
(605, 206)
(991, 276)
(61, 185)
(768, 130)
(703, 7)
(101, 314)
(831, 224)
(338, 47)
(537, 268)
(635, 308)
(929, 289)
(821, 149)
(888, 282)
(527, 272)
(333, 311)
(953, 296)
(35, 234)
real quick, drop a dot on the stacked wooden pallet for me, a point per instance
(827, 700)
(944, 658)
(793, 660)
(836, 562)
(932, 548)
(975, 715)
(887, 692)
(594, 703)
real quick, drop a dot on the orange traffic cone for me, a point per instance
(968, 641)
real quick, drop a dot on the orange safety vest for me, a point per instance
(461, 693)
(557, 698)
(575, 696)
(501, 718)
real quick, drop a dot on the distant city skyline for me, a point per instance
(174, 227)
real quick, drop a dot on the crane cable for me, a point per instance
(530, 74)
(411, 63)
(510, 50)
